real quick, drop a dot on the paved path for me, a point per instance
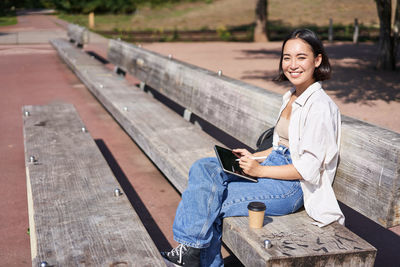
(31, 73)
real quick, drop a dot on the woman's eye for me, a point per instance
(286, 58)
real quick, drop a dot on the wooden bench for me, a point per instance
(367, 178)
(75, 217)
(161, 133)
(77, 34)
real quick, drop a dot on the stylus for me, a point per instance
(263, 157)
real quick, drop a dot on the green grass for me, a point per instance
(9, 19)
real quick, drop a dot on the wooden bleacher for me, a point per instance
(162, 133)
(75, 218)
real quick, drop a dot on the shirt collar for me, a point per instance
(288, 94)
(302, 99)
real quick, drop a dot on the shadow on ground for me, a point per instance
(354, 78)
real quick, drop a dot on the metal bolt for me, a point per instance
(220, 73)
(32, 159)
(125, 108)
(117, 192)
(27, 113)
(84, 129)
(101, 86)
(267, 244)
(170, 56)
(44, 264)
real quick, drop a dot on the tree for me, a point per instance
(388, 39)
(261, 29)
(396, 29)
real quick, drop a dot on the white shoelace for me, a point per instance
(178, 250)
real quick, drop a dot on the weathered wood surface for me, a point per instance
(78, 34)
(295, 243)
(368, 177)
(74, 217)
(226, 103)
(173, 144)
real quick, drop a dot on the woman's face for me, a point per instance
(299, 63)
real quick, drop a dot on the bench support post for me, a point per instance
(142, 86)
(187, 114)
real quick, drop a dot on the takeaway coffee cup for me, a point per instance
(256, 214)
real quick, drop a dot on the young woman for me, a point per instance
(300, 166)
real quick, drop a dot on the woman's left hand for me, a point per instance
(250, 166)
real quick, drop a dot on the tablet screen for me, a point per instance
(229, 163)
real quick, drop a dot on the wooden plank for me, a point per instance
(224, 102)
(173, 144)
(78, 34)
(368, 177)
(295, 243)
(74, 217)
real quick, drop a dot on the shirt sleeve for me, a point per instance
(318, 142)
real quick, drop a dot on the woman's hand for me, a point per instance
(242, 152)
(250, 166)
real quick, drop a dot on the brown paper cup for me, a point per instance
(256, 214)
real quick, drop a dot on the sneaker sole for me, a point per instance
(170, 264)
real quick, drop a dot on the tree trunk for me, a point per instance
(261, 29)
(396, 29)
(386, 59)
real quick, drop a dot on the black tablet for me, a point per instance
(229, 163)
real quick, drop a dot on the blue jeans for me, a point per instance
(212, 195)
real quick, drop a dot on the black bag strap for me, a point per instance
(265, 140)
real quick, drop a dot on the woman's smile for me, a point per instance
(295, 74)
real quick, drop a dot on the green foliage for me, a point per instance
(6, 5)
(97, 6)
(87, 6)
(224, 33)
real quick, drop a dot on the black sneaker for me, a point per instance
(183, 255)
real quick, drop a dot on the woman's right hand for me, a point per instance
(242, 152)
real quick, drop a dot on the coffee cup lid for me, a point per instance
(256, 206)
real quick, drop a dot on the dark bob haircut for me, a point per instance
(323, 72)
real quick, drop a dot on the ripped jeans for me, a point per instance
(212, 195)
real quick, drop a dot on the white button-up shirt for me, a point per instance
(314, 140)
